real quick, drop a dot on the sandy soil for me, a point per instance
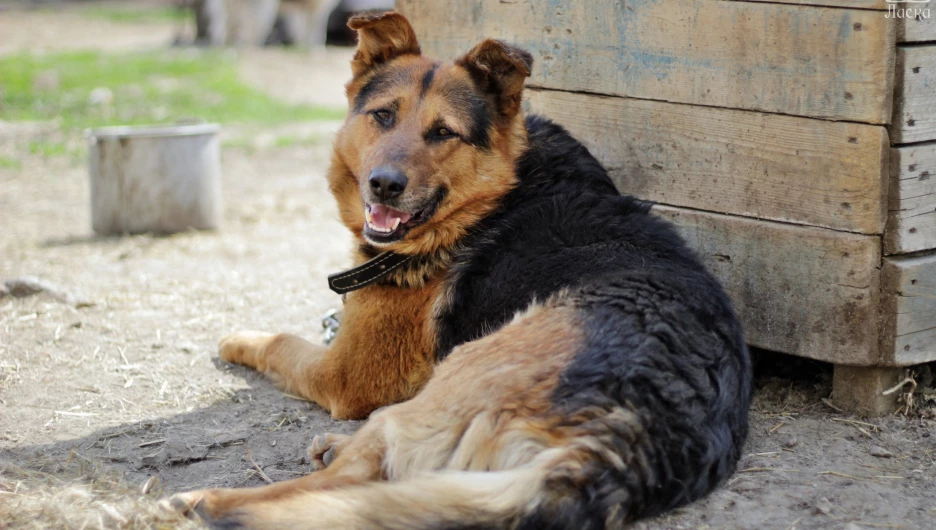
(292, 75)
(132, 383)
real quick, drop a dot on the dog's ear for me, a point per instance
(381, 37)
(499, 70)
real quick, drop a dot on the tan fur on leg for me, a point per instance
(244, 347)
(493, 499)
(378, 358)
(293, 363)
(362, 463)
(488, 408)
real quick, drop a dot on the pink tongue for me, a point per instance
(383, 217)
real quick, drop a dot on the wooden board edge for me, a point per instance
(890, 66)
(866, 217)
(877, 5)
(900, 282)
(778, 297)
(917, 30)
(912, 171)
(892, 239)
(913, 61)
(444, 33)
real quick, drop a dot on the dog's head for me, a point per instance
(427, 148)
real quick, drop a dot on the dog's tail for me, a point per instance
(543, 495)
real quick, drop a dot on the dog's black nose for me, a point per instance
(387, 182)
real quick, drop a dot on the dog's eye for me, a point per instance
(383, 116)
(442, 133)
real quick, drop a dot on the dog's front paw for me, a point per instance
(211, 506)
(187, 504)
(325, 449)
(244, 347)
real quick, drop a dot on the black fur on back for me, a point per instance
(663, 342)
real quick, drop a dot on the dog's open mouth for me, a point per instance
(387, 225)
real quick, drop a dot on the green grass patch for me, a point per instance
(47, 148)
(290, 140)
(140, 88)
(9, 163)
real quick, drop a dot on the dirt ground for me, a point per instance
(128, 384)
(58, 27)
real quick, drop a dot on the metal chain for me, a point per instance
(330, 323)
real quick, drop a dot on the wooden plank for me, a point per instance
(918, 29)
(786, 168)
(800, 290)
(915, 95)
(855, 4)
(860, 389)
(817, 62)
(911, 221)
(908, 309)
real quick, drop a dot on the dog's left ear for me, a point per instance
(499, 70)
(381, 37)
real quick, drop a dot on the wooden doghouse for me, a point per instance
(793, 142)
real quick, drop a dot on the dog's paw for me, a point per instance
(216, 507)
(187, 504)
(325, 448)
(243, 347)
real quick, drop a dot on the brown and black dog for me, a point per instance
(558, 357)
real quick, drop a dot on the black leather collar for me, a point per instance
(366, 273)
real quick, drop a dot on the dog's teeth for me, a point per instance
(367, 215)
(396, 223)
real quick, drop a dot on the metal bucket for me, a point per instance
(159, 179)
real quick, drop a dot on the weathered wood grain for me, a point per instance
(918, 29)
(786, 168)
(914, 29)
(911, 220)
(817, 61)
(915, 95)
(908, 309)
(800, 290)
(854, 4)
(860, 389)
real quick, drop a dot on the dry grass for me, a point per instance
(77, 495)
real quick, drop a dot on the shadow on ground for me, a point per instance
(225, 444)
